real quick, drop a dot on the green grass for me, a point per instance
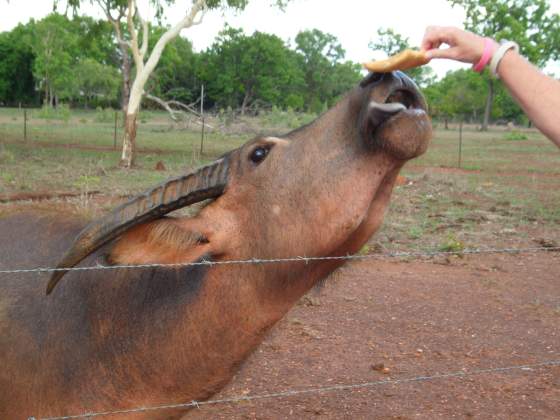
(492, 151)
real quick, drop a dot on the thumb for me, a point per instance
(449, 53)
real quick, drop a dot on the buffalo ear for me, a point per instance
(163, 241)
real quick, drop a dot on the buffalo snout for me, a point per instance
(395, 118)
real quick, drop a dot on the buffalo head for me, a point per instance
(320, 190)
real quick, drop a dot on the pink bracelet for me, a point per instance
(486, 55)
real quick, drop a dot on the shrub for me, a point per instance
(452, 244)
(62, 112)
(106, 115)
(515, 136)
(5, 155)
(287, 118)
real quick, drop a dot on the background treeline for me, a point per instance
(59, 60)
(74, 61)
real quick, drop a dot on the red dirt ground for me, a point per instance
(414, 319)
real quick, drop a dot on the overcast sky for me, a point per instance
(353, 22)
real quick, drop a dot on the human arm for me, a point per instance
(537, 94)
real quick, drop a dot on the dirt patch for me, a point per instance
(387, 320)
(459, 171)
(42, 195)
(91, 147)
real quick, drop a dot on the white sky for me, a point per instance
(353, 22)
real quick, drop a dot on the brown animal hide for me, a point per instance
(137, 337)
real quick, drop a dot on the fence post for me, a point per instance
(115, 131)
(202, 115)
(460, 143)
(25, 125)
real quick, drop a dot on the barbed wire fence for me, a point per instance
(301, 259)
(314, 390)
(308, 391)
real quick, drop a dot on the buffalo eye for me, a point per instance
(258, 155)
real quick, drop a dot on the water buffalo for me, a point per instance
(131, 337)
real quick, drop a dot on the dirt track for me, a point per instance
(414, 319)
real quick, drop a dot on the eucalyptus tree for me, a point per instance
(132, 32)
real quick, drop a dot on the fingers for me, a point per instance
(437, 35)
(463, 45)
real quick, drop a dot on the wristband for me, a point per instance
(504, 48)
(486, 55)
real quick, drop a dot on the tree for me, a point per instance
(145, 59)
(54, 45)
(241, 70)
(391, 43)
(17, 84)
(175, 77)
(459, 94)
(345, 75)
(320, 58)
(528, 22)
(96, 81)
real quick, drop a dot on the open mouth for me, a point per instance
(399, 103)
(400, 123)
(404, 99)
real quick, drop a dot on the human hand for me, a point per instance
(463, 46)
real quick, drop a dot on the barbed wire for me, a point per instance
(292, 393)
(398, 254)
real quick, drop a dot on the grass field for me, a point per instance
(505, 193)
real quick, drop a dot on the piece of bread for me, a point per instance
(404, 60)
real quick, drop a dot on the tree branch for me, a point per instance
(144, 70)
(174, 113)
(138, 59)
(165, 105)
(144, 23)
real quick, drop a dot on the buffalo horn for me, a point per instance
(205, 183)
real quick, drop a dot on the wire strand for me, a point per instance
(415, 254)
(292, 393)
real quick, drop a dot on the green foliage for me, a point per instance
(61, 112)
(287, 118)
(84, 182)
(175, 77)
(240, 70)
(320, 57)
(95, 81)
(77, 61)
(515, 136)
(460, 94)
(528, 22)
(16, 63)
(106, 115)
(452, 244)
(55, 47)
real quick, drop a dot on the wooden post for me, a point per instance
(25, 124)
(460, 143)
(115, 132)
(202, 117)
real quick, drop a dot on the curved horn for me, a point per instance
(207, 182)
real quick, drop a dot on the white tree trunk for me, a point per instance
(145, 69)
